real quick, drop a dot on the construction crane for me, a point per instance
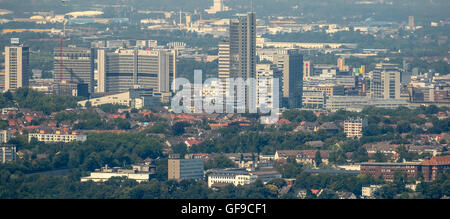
(60, 40)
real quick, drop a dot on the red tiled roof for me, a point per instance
(12, 122)
(191, 142)
(284, 121)
(315, 191)
(440, 160)
(29, 118)
(218, 125)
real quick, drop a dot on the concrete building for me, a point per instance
(434, 166)
(5, 136)
(387, 170)
(313, 99)
(237, 57)
(127, 68)
(217, 7)
(265, 93)
(240, 177)
(7, 153)
(134, 98)
(330, 90)
(106, 173)
(57, 137)
(291, 65)
(369, 191)
(179, 169)
(307, 69)
(429, 169)
(385, 82)
(357, 103)
(354, 127)
(76, 65)
(71, 88)
(17, 67)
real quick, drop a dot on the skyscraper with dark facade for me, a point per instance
(292, 66)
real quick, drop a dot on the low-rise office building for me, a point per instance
(179, 169)
(134, 98)
(429, 169)
(106, 173)
(241, 176)
(387, 170)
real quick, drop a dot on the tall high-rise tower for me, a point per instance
(17, 67)
(292, 66)
(385, 82)
(411, 22)
(237, 54)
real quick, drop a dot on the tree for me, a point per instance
(178, 128)
(219, 162)
(380, 157)
(318, 158)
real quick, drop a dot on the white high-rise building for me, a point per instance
(17, 67)
(217, 7)
(385, 82)
(130, 68)
(265, 75)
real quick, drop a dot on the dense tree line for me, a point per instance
(37, 101)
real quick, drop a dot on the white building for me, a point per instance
(354, 127)
(134, 98)
(357, 103)
(240, 177)
(7, 153)
(217, 7)
(385, 82)
(127, 68)
(106, 173)
(369, 191)
(5, 136)
(265, 93)
(57, 137)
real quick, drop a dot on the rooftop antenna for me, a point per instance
(252, 5)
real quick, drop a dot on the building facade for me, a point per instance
(106, 173)
(74, 65)
(7, 153)
(57, 137)
(237, 58)
(17, 67)
(354, 127)
(5, 136)
(291, 65)
(179, 169)
(385, 82)
(130, 68)
(387, 170)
